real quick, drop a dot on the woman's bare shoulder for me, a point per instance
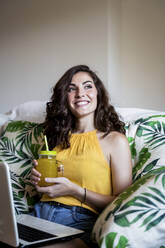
(113, 143)
(112, 136)
(116, 136)
(113, 139)
(116, 139)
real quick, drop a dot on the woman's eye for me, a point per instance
(71, 89)
(89, 86)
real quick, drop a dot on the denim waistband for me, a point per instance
(79, 209)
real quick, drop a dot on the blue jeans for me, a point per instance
(73, 216)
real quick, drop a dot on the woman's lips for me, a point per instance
(81, 103)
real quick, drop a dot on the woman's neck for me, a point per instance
(85, 124)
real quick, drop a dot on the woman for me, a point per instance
(89, 139)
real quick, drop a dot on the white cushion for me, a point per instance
(33, 111)
(130, 114)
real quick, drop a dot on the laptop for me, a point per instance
(13, 228)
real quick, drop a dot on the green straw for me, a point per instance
(46, 143)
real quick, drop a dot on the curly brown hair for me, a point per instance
(60, 122)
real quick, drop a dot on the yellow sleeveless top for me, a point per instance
(84, 164)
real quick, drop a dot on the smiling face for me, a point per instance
(82, 95)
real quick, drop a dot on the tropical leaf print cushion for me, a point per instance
(147, 143)
(20, 143)
(137, 216)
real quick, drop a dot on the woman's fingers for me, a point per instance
(34, 162)
(34, 179)
(52, 180)
(61, 186)
(43, 189)
(35, 176)
(35, 172)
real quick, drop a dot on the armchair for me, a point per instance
(136, 218)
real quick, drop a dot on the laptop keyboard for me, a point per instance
(31, 234)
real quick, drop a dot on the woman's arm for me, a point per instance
(121, 164)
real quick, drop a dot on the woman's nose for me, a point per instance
(80, 93)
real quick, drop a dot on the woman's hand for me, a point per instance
(61, 187)
(35, 175)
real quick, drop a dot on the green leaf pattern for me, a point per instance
(113, 240)
(20, 143)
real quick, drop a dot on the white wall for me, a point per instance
(114, 50)
(143, 53)
(121, 39)
(41, 39)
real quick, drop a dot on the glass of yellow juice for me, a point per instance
(47, 166)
